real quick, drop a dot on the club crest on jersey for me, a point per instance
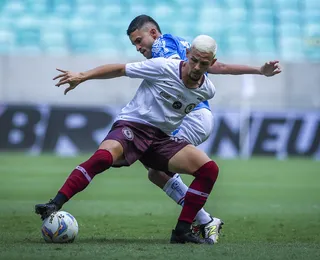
(189, 108)
(177, 105)
(177, 139)
(127, 132)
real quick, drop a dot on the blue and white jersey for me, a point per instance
(174, 47)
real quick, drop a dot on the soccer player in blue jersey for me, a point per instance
(145, 34)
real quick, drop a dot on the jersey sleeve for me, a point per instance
(166, 48)
(149, 69)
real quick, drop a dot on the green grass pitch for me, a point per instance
(271, 210)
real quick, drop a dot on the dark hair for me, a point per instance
(138, 22)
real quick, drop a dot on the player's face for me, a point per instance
(199, 62)
(143, 40)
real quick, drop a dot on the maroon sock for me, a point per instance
(82, 175)
(199, 191)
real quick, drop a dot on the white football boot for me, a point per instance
(212, 229)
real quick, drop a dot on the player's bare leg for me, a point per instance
(109, 151)
(192, 161)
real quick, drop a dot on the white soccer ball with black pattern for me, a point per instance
(60, 227)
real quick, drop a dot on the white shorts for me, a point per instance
(196, 127)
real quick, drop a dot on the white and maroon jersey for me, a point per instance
(162, 99)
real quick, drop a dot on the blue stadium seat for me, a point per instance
(77, 22)
(311, 48)
(265, 30)
(188, 11)
(27, 40)
(54, 41)
(289, 30)
(262, 16)
(241, 27)
(103, 43)
(238, 15)
(79, 41)
(239, 46)
(61, 8)
(312, 4)
(88, 10)
(265, 47)
(235, 4)
(237, 29)
(163, 12)
(311, 16)
(14, 8)
(183, 30)
(54, 22)
(290, 48)
(312, 29)
(311, 41)
(137, 9)
(39, 7)
(7, 39)
(110, 13)
(289, 16)
(258, 4)
(294, 5)
(212, 29)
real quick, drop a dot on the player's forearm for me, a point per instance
(233, 69)
(108, 71)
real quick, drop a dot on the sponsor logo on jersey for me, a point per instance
(127, 132)
(177, 105)
(165, 95)
(189, 108)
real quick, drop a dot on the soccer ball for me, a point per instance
(59, 227)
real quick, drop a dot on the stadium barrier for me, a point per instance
(73, 130)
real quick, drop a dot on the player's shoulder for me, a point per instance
(167, 65)
(209, 85)
(176, 39)
(163, 41)
(168, 36)
(162, 61)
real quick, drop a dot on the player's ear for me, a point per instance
(153, 33)
(188, 53)
(213, 61)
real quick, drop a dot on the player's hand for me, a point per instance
(270, 68)
(68, 77)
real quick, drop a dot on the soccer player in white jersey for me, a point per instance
(145, 34)
(142, 131)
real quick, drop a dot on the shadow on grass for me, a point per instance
(123, 241)
(103, 240)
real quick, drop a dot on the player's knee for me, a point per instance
(158, 178)
(151, 175)
(209, 171)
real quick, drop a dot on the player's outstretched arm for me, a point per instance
(269, 69)
(102, 72)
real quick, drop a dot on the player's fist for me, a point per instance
(68, 77)
(270, 68)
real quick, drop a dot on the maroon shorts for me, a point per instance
(146, 143)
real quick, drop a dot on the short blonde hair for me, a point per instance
(205, 43)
